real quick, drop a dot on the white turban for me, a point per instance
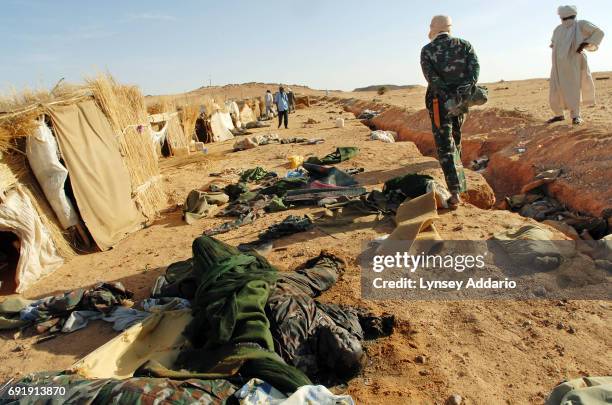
(440, 23)
(567, 11)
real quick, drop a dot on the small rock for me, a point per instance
(527, 323)
(19, 348)
(560, 325)
(424, 372)
(420, 359)
(572, 330)
(454, 399)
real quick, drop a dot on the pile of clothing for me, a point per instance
(66, 312)
(273, 194)
(145, 390)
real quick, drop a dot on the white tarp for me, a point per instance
(220, 130)
(38, 255)
(43, 157)
(227, 119)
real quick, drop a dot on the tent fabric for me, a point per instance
(121, 356)
(246, 114)
(43, 157)
(219, 127)
(99, 178)
(38, 255)
(414, 220)
(227, 119)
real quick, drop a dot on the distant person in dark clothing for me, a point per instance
(281, 100)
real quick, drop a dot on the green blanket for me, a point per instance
(340, 155)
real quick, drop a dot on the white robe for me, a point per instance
(570, 78)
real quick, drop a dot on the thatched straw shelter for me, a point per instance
(79, 161)
(166, 116)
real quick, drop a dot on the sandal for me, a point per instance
(453, 202)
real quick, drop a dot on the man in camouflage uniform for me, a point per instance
(450, 66)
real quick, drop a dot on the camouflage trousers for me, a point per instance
(448, 147)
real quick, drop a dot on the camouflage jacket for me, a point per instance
(448, 63)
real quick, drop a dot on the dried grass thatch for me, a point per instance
(188, 115)
(125, 108)
(13, 169)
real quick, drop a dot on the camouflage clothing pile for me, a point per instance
(136, 390)
(448, 64)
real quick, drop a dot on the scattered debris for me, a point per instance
(385, 136)
(368, 114)
(480, 163)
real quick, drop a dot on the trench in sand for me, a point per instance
(517, 148)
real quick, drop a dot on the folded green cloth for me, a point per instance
(256, 174)
(341, 154)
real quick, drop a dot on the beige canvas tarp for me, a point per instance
(158, 338)
(99, 178)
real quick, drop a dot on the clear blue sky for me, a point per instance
(174, 46)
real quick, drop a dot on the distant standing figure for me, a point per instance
(291, 100)
(450, 65)
(282, 104)
(570, 77)
(269, 100)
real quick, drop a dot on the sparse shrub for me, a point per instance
(382, 90)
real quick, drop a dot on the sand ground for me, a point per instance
(492, 352)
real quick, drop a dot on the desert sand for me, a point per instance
(492, 352)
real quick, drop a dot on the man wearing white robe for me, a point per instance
(570, 77)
